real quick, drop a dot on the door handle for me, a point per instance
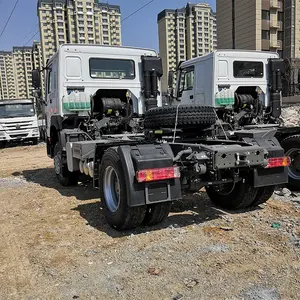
(191, 97)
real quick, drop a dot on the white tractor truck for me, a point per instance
(18, 122)
(105, 119)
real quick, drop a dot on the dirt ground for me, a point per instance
(55, 244)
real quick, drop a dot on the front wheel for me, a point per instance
(113, 194)
(35, 141)
(232, 196)
(64, 176)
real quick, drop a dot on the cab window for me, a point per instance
(186, 82)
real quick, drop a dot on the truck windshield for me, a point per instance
(248, 69)
(112, 68)
(16, 110)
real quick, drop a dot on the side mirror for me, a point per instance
(171, 79)
(36, 79)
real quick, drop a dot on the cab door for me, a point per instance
(51, 94)
(185, 89)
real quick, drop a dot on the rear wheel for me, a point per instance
(64, 176)
(232, 196)
(113, 194)
(263, 195)
(291, 146)
(157, 213)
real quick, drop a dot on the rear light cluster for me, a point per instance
(157, 174)
(276, 162)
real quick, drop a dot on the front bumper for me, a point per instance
(19, 135)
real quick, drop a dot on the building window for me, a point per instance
(280, 16)
(265, 14)
(265, 34)
(280, 35)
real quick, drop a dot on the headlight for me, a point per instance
(35, 130)
(2, 133)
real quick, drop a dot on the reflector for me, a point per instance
(157, 174)
(276, 162)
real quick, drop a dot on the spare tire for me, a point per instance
(189, 116)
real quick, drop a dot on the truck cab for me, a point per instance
(109, 78)
(244, 82)
(18, 121)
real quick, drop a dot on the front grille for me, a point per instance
(18, 136)
(13, 126)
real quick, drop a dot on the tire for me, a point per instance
(2, 145)
(189, 116)
(157, 213)
(35, 141)
(291, 146)
(263, 195)
(64, 176)
(231, 197)
(113, 194)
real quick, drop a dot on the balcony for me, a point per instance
(274, 44)
(275, 4)
(274, 24)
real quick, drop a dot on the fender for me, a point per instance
(139, 157)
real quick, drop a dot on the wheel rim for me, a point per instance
(57, 163)
(294, 168)
(111, 188)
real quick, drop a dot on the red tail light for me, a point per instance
(276, 162)
(157, 174)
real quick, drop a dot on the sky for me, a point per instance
(140, 30)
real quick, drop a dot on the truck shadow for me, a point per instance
(189, 211)
(46, 178)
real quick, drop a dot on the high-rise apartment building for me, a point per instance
(16, 69)
(22, 58)
(291, 29)
(251, 24)
(74, 21)
(185, 33)
(7, 76)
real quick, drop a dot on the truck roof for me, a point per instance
(16, 101)
(246, 54)
(104, 49)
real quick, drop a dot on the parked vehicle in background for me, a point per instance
(18, 121)
(245, 87)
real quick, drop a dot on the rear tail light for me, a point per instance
(157, 174)
(276, 162)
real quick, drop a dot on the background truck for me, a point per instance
(245, 87)
(18, 121)
(105, 119)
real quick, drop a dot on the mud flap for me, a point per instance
(140, 157)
